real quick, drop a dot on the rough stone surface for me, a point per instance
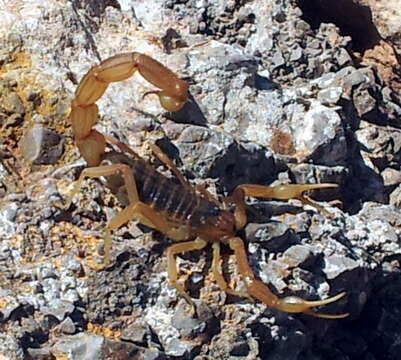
(277, 96)
(386, 17)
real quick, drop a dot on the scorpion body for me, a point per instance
(178, 203)
(189, 216)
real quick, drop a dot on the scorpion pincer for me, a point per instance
(189, 216)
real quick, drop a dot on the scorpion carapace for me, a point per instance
(191, 217)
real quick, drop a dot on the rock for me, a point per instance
(391, 177)
(9, 348)
(153, 354)
(40, 354)
(41, 146)
(272, 236)
(7, 219)
(330, 96)
(335, 265)
(297, 255)
(80, 346)
(240, 349)
(67, 326)
(395, 197)
(58, 309)
(319, 136)
(12, 104)
(188, 326)
(177, 347)
(89, 346)
(136, 332)
(386, 18)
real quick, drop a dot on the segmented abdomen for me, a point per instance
(175, 200)
(163, 194)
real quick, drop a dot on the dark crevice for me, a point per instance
(353, 20)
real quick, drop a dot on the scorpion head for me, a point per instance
(225, 222)
(212, 222)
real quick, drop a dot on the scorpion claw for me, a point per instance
(168, 102)
(294, 304)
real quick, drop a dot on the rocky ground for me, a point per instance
(280, 92)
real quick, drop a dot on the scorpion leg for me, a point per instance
(148, 216)
(281, 192)
(136, 210)
(156, 151)
(218, 276)
(107, 170)
(260, 291)
(122, 146)
(172, 251)
(168, 162)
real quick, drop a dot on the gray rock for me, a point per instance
(42, 146)
(177, 347)
(188, 326)
(40, 354)
(58, 309)
(330, 96)
(67, 326)
(297, 255)
(7, 218)
(272, 236)
(391, 177)
(336, 265)
(206, 145)
(395, 197)
(320, 135)
(10, 305)
(9, 348)
(80, 347)
(136, 332)
(12, 104)
(153, 354)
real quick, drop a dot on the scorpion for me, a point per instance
(190, 216)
